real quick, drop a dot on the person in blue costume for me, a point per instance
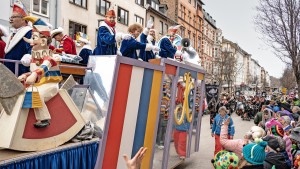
(16, 47)
(167, 49)
(86, 49)
(129, 47)
(148, 36)
(107, 37)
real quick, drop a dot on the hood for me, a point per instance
(276, 159)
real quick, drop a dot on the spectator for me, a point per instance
(216, 128)
(273, 156)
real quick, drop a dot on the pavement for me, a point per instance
(202, 159)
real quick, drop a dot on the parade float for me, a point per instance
(135, 103)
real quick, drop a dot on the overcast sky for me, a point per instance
(235, 18)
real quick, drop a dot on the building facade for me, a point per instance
(157, 12)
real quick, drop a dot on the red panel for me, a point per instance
(61, 120)
(113, 142)
(117, 118)
(170, 70)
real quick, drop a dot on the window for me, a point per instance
(76, 27)
(102, 7)
(183, 13)
(182, 32)
(40, 6)
(189, 17)
(139, 2)
(152, 18)
(154, 5)
(139, 19)
(122, 16)
(81, 3)
(161, 27)
(166, 28)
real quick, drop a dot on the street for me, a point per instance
(202, 159)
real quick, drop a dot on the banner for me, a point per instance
(211, 94)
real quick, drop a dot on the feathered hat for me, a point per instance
(174, 28)
(56, 31)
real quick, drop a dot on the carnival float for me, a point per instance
(125, 103)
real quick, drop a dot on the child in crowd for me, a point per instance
(253, 155)
(216, 128)
(237, 145)
(273, 156)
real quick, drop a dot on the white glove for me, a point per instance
(178, 53)
(118, 36)
(150, 38)
(155, 48)
(126, 36)
(149, 47)
(149, 24)
(26, 60)
(157, 57)
(185, 56)
(140, 59)
(57, 57)
(119, 53)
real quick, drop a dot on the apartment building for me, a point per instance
(157, 12)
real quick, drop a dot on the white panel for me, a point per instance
(131, 113)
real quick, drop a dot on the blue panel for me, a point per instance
(183, 70)
(141, 122)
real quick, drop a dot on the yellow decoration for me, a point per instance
(185, 107)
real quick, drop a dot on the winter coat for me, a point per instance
(218, 122)
(275, 159)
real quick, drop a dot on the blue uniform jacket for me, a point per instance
(106, 42)
(129, 47)
(166, 49)
(85, 54)
(146, 55)
(17, 52)
(218, 121)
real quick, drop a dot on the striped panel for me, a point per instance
(152, 117)
(115, 128)
(143, 112)
(131, 114)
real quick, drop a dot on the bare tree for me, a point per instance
(275, 82)
(288, 79)
(279, 23)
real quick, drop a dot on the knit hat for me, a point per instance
(273, 143)
(273, 122)
(225, 160)
(254, 153)
(277, 130)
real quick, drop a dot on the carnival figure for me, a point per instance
(107, 37)
(129, 47)
(167, 49)
(44, 71)
(147, 36)
(16, 47)
(66, 44)
(86, 49)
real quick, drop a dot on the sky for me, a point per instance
(236, 20)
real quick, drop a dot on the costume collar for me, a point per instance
(20, 33)
(40, 54)
(110, 29)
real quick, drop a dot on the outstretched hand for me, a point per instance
(136, 161)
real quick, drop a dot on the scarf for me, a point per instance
(112, 25)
